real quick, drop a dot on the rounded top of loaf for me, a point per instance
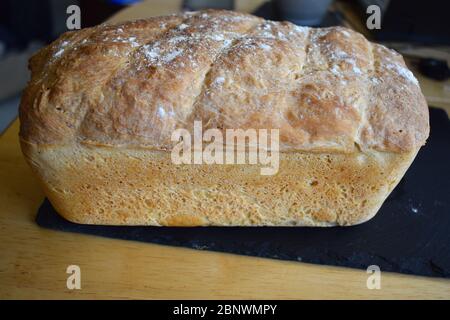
(132, 84)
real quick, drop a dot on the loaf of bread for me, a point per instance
(98, 114)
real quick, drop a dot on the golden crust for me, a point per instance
(133, 83)
(123, 186)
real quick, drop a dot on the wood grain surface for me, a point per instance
(33, 260)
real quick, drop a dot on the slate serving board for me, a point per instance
(410, 234)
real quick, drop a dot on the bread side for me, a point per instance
(110, 186)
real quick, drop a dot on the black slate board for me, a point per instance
(410, 234)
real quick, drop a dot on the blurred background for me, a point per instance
(420, 30)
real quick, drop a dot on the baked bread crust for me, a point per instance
(131, 186)
(134, 83)
(102, 103)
